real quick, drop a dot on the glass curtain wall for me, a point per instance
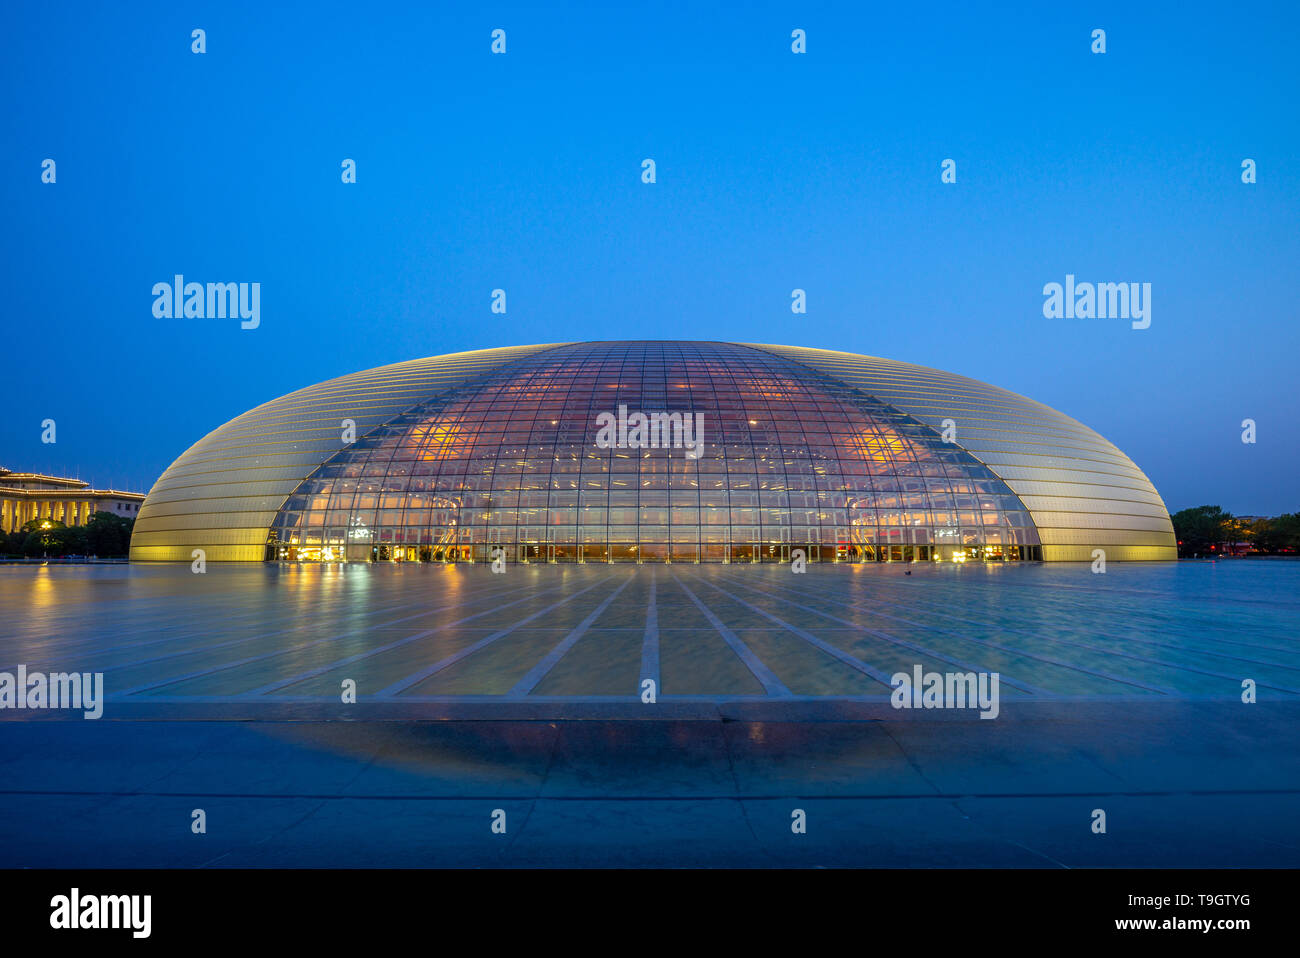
(788, 459)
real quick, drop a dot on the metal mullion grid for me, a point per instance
(878, 431)
(659, 352)
(454, 413)
(547, 539)
(755, 394)
(590, 362)
(425, 417)
(452, 416)
(796, 392)
(371, 457)
(716, 363)
(838, 397)
(710, 362)
(627, 364)
(553, 371)
(763, 377)
(534, 372)
(501, 406)
(807, 392)
(604, 356)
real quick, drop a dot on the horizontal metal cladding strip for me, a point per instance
(1114, 553)
(1028, 444)
(219, 513)
(282, 444)
(968, 413)
(253, 437)
(208, 519)
(196, 482)
(961, 393)
(1092, 520)
(219, 468)
(906, 386)
(205, 536)
(283, 457)
(1044, 505)
(1023, 474)
(322, 416)
(1070, 490)
(259, 495)
(1055, 459)
(212, 552)
(320, 413)
(1050, 536)
(1074, 471)
(1018, 421)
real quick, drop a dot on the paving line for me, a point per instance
(418, 677)
(993, 645)
(650, 642)
(863, 667)
(1179, 667)
(283, 682)
(539, 671)
(928, 609)
(766, 677)
(198, 650)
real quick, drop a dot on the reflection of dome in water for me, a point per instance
(652, 451)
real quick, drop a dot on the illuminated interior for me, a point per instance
(791, 459)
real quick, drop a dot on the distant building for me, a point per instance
(28, 495)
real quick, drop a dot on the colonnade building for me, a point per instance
(25, 496)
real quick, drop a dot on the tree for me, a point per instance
(1279, 534)
(108, 535)
(44, 537)
(13, 543)
(1201, 529)
(75, 542)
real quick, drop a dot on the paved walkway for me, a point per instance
(518, 693)
(596, 633)
(1182, 784)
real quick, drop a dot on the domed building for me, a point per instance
(647, 451)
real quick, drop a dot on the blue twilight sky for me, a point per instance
(775, 171)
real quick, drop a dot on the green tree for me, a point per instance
(1283, 533)
(108, 535)
(75, 541)
(44, 537)
(1202, 530)
(12, 544)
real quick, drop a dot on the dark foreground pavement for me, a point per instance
(1182, 784)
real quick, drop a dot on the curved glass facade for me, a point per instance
(787, 459)
(652, 451)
